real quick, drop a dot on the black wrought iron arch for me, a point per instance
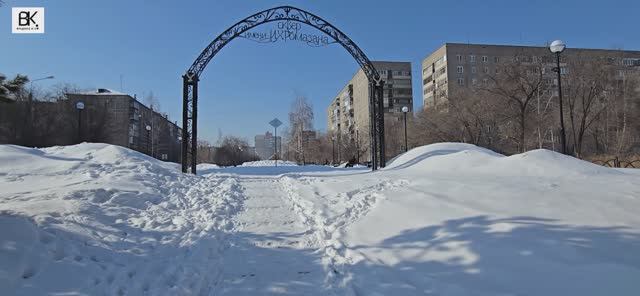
(282, 13)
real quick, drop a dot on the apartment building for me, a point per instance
(120, 119)
(265, 145)
(456, 66)
(348, 113)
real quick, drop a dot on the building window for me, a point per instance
(496, 59)
(486, 70)
(563, 70)
(460, 58)
(460, 69)
(485, 59)
(472, 58)
(403, 81)
(485, 81)
(474, 81)
(497, 70)
(473, 70)
(460, 81)
(428, 79)
(402, 91)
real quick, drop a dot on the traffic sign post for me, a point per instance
(275, 123)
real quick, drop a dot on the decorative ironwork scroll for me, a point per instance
(285, 15)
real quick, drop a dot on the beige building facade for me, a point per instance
(455, 66)
(348, 114)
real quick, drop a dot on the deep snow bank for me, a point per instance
(462, 158)
(96, 219)
(456, 219)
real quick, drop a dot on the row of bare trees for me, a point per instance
(517, 109)
(229, 151)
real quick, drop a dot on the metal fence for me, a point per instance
(617, 163)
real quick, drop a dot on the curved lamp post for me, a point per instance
(80, 107)
(557, 47)
(150, 141)
(405, 109)
(333, 150)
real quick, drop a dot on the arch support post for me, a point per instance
(382, 162)
(189, 122)
(373, 145)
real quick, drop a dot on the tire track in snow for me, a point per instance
(328, 224)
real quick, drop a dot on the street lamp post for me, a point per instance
(80, 107)
(558, 47)
(149, 140)
(333, 150)
(357, 147)
(31, 84)
(29, 115)
(43, 78)
(405, 109)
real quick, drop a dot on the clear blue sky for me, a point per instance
(152, 43)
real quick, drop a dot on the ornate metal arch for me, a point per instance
(282, 13)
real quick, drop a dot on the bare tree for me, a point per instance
(206, 152)
(300, 120)
(517, 84)
(586, 88)
(234, 151)
(151, 101)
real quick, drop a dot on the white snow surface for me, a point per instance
(443, 219)
(259, 163)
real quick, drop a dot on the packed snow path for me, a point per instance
(271, 251)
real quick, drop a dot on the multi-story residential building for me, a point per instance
(456, 66)
(348, 113)
(265, 145)
(120, 119)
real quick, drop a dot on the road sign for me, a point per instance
(275, 123)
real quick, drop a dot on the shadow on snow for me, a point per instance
(476, 255)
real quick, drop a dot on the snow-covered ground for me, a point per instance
(443, 219)
(259, 163)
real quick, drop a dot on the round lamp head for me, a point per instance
(148, 127)
(80, 105)
(557, 46)
(405, 109)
